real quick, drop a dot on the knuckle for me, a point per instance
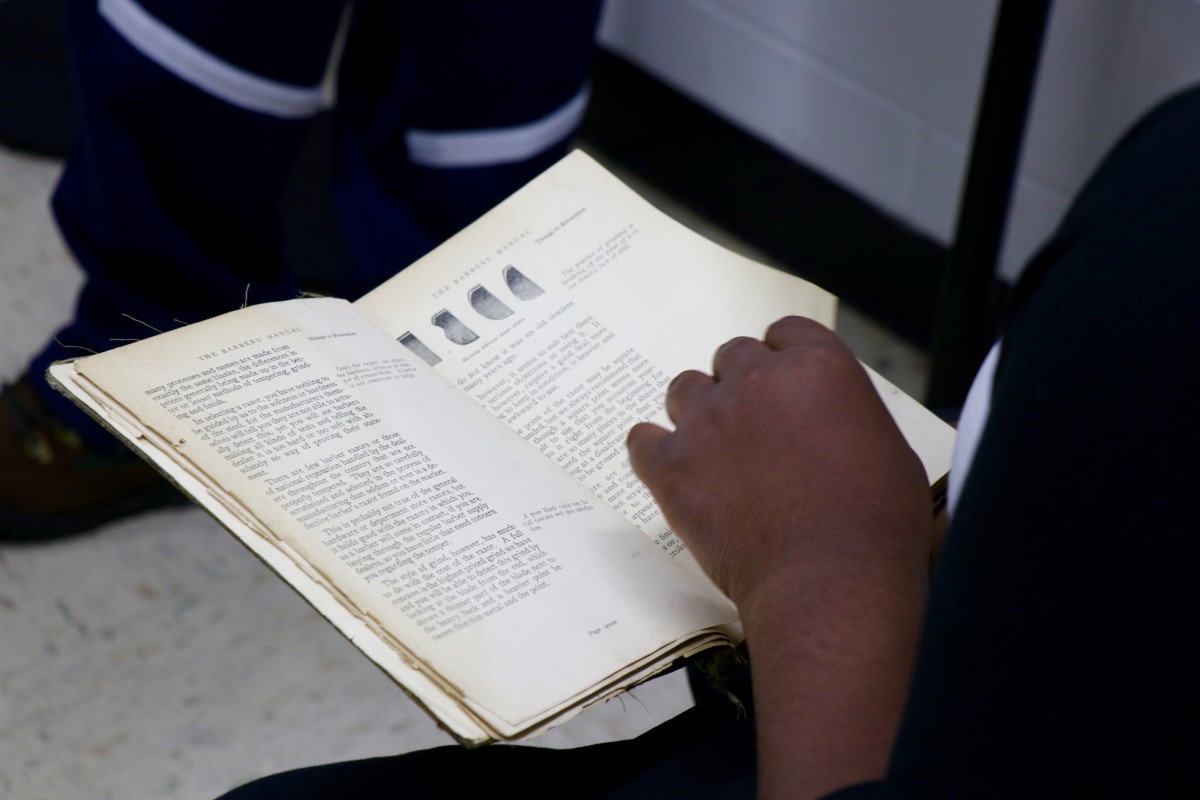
(797, 326)
(738, 344)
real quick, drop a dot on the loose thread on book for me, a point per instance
(58, 342)
(135, 319)
(719, 665)
(140, 321)
(633, 696)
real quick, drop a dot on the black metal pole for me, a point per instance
(968, 309)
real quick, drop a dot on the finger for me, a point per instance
(643, 443)
(684, 391)
(736, 352)
(796, 331)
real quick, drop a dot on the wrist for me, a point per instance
(841, 564)
(831, 652)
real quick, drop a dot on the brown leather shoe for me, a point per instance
(54, 485)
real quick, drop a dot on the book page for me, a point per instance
(395, 492)
(566, 310)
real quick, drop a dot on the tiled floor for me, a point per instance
(157, 658)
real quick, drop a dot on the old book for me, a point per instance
(440, 467)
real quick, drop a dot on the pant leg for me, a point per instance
(444, 109)
(705, 753)
(191, 115)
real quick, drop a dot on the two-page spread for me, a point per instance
(440, 467)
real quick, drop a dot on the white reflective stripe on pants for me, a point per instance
(195, 65)
(482, 148)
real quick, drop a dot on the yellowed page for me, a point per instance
(567, 309)
(398, 495)
(305, 580)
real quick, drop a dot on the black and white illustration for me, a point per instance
(454, 329)
(521, 287)
(420, 348)
(487, 304)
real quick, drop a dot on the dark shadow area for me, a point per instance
(37, 113)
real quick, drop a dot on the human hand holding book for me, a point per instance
(795, 489)
(440, 467)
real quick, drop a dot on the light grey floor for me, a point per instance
(158, 659)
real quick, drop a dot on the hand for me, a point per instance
(784, 457)
(798, 495)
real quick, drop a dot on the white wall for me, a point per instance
(880, 95)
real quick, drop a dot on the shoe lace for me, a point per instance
(37, 429)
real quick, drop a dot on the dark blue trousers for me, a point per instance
(192, 115)
(705, 753)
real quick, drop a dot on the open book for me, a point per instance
(440, 467)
